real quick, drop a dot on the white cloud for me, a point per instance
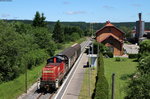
(75, 12)
(15, 17)
(108, 7)
(5, 15)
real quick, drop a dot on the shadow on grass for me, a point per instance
(126, 76)
(135, 60)
(94, 92)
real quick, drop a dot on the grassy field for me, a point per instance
(12, 89)
(84, 92)
(122, 72)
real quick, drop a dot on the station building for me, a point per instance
(112, 37)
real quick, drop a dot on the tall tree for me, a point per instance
(58, 34)
(43, 23)
(39, 20)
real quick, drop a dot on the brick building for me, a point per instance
(111, 37)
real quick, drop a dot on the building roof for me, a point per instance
(107, 35)
(108, 24)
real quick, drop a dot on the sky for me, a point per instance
(77, 10)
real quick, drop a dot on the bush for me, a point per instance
(102, 47)
(133, 56)
(74, 36)
(34, 58)
(144, 46)
(117, 59)
(109, 54)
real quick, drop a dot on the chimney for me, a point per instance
(140, 16)
(107, 22)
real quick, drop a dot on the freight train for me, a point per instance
(58, 66)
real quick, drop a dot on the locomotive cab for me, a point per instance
(52, 72)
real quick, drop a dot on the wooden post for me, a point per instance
(26, 87)
(113, 86)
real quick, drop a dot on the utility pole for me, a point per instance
(113, 86)
(26, 79)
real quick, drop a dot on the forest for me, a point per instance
(86, 25)
(28, 45)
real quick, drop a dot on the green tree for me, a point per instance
(144, 65)
(145, 47)
(139, 88)
(39, 20)
(10, 52)
(87, 32)
(74, 36)
(127, 31)
(58, 34)
(43, 18)
(21, 45)
(77, 30)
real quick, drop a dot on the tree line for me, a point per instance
(126, 27)
(29, 45)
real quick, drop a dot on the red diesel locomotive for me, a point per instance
(58, 66)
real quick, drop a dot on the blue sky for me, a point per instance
(77, 10)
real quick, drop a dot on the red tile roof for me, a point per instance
(104, 36)
(108, 24)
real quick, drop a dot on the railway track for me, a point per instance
(45, 96)
(40, 95)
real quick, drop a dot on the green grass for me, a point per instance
(84, 92)
(122, 72)
(12, 89)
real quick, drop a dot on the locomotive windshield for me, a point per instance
(54, 60)
(58, 60)
(50, 60)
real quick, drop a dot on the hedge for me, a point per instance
(101, 89)
(133, 56)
